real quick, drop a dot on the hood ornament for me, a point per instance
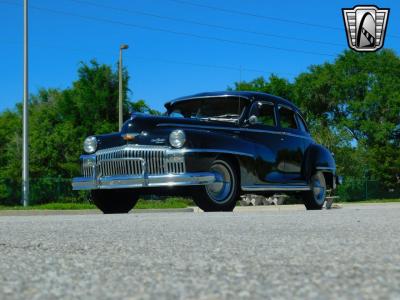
(129, 136)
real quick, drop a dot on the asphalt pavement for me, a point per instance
(348, 253)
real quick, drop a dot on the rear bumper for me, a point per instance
(120, 182)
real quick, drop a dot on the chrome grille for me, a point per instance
(88, 166)
(136, 160)
(87, 171)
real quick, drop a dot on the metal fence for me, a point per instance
(42, 190)
(50, 189)
(357, 189)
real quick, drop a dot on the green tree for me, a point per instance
(11, 152)
(352, 106)
(142, 107)
(274, 85)
(59, 122)
(359, 93)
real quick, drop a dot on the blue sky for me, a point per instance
(165, 65)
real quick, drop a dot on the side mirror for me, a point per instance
(253, 120)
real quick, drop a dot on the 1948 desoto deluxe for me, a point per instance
(212, 147)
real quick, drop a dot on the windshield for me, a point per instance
(218, 108)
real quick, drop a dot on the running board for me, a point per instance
(271, 187)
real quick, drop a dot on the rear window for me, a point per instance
(287, 118)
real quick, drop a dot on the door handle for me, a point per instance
(283, 136)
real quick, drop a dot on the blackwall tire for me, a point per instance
(114, 201)
(314, 199)
(222, 195)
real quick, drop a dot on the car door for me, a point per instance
(292, 144)
(262, 129)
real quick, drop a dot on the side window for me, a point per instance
(302, 124)
(264, 112)
(287, 118)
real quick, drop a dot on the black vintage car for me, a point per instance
(212, 147)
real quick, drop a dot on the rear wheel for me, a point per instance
(114, 201)
(314, 199)
(222, 194)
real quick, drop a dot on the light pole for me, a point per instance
(25, 129)
(120, 105)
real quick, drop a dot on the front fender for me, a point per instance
(110, 140)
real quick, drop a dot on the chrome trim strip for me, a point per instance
(183, 151)
(233, 129)
(119, 182)
(326, 168)
(273, 187)
(88, 156)
(132, 147)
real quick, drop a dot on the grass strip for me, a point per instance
(142, 204)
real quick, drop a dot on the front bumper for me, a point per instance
(138, 166)
(126, 181)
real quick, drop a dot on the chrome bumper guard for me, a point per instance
(136, 181)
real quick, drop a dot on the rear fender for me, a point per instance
(319, 158)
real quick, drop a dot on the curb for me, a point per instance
(261, 208)
(162, 210)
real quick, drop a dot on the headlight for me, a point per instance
(90, 144)
(177, 138)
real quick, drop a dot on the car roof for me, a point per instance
(245, 94)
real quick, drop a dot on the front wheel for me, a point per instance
(115, 201)
(314, 199)
(222, 194)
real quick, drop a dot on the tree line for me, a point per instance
(352, 106)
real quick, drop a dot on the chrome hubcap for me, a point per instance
(318, 190)
(220, 190)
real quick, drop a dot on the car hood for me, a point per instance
(154, 130)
